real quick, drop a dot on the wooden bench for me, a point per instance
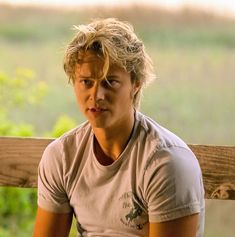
(19, 158)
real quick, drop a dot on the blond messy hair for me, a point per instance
(116, 42)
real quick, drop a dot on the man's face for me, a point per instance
(106, 103)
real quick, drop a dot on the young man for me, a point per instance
(120, 173)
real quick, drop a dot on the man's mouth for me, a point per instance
(97, 110)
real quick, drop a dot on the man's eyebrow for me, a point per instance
(112, 76)
(84, 76)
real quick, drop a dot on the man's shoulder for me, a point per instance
(73, 136)
(76, 132)
(70, 145)
(163, 145)
(158, 134)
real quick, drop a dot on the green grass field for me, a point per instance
(193, 95)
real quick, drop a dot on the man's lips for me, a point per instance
(96, 110)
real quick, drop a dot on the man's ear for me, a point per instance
(137, 87)
(136, 83)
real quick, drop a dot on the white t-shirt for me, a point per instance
(156, 178)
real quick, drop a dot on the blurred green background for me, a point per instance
(194, 58)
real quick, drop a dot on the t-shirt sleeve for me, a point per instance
(51, 192)
(173, 184)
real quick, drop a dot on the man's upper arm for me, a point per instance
(173, 185)
(50, 224)
(181, 227)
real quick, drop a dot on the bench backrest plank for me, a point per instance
(19, 158)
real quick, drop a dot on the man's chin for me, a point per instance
(98, 124)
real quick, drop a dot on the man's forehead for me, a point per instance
(95, 67)
(92, 63)
(90, 66)
(89, 57)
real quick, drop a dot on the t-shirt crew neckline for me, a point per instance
(122, 156)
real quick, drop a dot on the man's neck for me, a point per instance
(112, 141)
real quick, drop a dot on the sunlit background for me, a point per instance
(192, 44)
(223, 7)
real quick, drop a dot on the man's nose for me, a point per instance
(98, 92)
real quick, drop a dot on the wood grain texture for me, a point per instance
(19, 159)
(218, 169)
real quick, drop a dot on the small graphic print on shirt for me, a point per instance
(132, 214)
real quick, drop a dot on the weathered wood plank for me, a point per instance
(19, 158)
(218, 169)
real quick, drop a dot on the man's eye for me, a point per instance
(110, 83)
(86, 82)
